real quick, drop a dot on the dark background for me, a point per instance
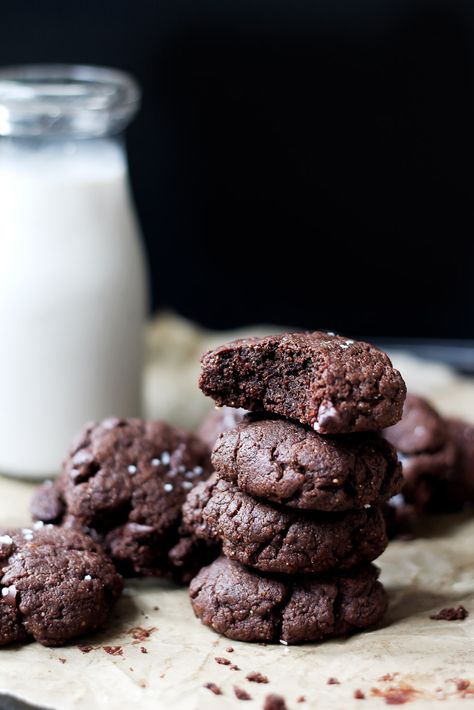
(302, 163)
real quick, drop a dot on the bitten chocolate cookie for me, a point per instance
(246, 606)
(219, 419)
(426, 450)
(333, 384)
(56, 585)
(125, 482)
(274, 539)
(286, 463)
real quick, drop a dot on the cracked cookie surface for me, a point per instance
(276, 539)
(333, 384)
(246, 606)
(286, 463)
(56, 585)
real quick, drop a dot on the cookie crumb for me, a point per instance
(212, 687)
(156, 608)
(257, 677)
(274, 702)
(462, 684)
(140, 634)
(395, 695)
(333, 681)
(388, 676)
(241, 694)
(113, 650)
(222, 661)
(451, 614)
(358, 694)
(85, 649)
(230, 649)
(234, 667)
(301, 699)
(62, 660)
(143, 649)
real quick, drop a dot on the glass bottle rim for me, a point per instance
(66, 100)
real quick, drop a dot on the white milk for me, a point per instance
(72, 298)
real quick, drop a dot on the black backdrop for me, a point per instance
(304, 163)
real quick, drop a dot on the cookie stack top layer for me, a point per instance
(331, 383)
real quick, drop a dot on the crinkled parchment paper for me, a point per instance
(172, 659)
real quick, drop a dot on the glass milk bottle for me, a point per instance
(72, 274)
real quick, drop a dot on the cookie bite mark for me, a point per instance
(333, 384)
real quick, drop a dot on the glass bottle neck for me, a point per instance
(46, 159)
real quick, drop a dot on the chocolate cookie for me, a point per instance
(219, 419)
(246, 606)
(457, 492)
(426, 450)
(125, 482)
(274, 539)
(287, 463)
(56, 585)
(335, 385)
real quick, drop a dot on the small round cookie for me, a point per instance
(287, 463)
(426, 451)
(333, 384)
(274, 539)
(56, 585)
(125, 481)
(246, 606)
(219, 419)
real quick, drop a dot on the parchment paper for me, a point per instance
(424, 658)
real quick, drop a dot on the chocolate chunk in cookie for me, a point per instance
(276, 539)
(56, 585)
(247, 606)
(219, 419)
(287, 463)
(427, 453)
(125, 482)
(333, 384)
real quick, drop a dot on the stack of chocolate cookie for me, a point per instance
(299, 484)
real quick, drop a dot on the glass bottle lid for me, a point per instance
(65, 101)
